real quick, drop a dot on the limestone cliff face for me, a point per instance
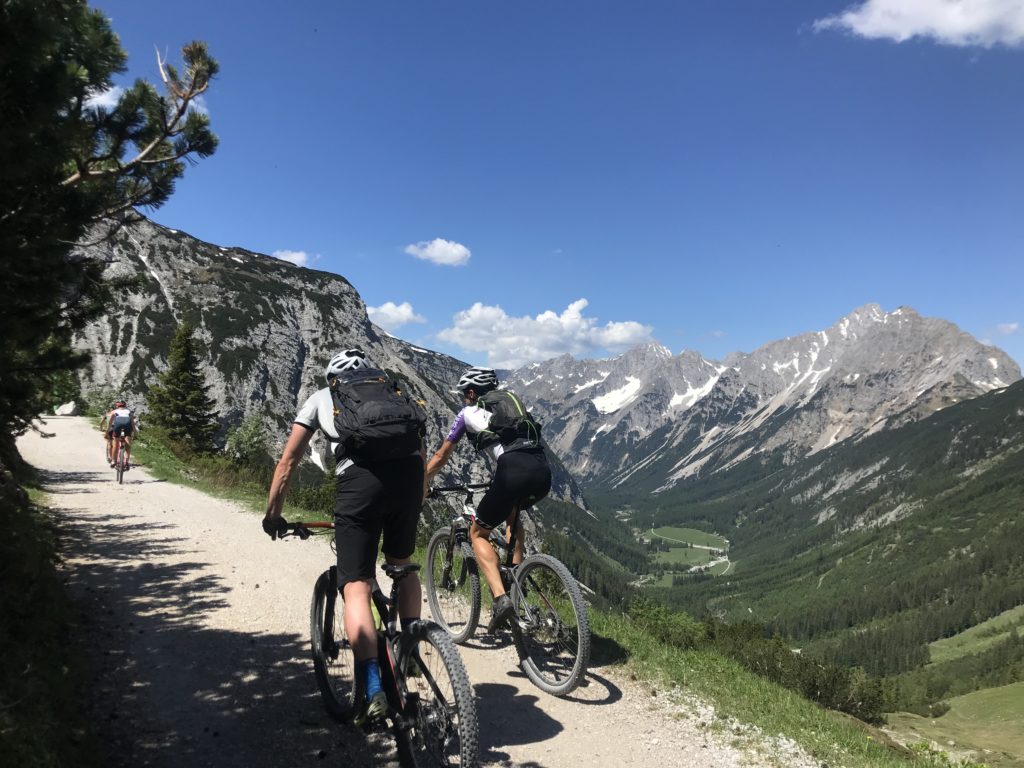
(264, 328)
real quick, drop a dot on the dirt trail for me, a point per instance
(197, 625)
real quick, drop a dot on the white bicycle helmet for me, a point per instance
(347, 360)
(478, 378)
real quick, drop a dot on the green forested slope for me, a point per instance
(866, 553)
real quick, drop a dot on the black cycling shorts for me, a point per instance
(521, 479)
(375, 498)
(122, 430)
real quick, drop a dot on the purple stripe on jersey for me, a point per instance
(458, 427)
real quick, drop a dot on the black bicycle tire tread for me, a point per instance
(469, 727)
(337, 710)
(572, 588)
(433, 547)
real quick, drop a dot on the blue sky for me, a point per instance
(535, 178)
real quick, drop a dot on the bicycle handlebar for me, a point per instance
(468, 488)
(302, 529)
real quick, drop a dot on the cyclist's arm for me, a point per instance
(105, 420)
(293, 452)
(439, 459)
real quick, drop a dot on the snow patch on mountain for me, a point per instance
(618, 398)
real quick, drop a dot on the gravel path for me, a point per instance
(197, 625)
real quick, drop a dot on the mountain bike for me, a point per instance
(432, 711)
(120, 455)
(550, 628)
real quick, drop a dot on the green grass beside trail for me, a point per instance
(736, 694)
(690, 536)
(979, 637)
(989, 721)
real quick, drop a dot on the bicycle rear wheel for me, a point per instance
(441, 710)
(552, 629)
(453, 585)
(333, 661)
(119, 463)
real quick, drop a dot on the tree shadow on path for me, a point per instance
(169, 690)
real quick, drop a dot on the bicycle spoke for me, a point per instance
(453, 586)
(445, 729)
(553, 634)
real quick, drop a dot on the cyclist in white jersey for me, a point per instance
(373, 499)
(121, 420)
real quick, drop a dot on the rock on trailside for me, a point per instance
(196, 624)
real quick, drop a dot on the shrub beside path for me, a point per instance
(196, 629)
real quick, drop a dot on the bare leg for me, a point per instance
(359, 619)
(486, 558)
(409, 595)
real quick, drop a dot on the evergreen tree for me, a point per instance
(69, 163)
(180, 403)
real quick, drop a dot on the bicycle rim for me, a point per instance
(119, 463)
(333, 661)
(553, 630)
(453, 585)
(442, 709)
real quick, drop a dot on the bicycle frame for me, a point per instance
(461, 522)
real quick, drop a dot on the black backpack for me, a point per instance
(513, 425)
(374, 419)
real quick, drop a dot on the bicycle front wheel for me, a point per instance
(552, 629)
(453, 585)
(441, 710)
(333, 661)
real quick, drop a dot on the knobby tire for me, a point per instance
(333, 660)
(552, 632)
(442, 728)
(453, 585)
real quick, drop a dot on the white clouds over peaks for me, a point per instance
(513, 341)
(390, 316)
(953, 22)
(440, 251)
(1008, 329)
(298, 258)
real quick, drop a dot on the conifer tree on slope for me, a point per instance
(180, 403)
(68, 163)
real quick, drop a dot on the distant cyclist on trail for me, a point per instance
(496, 421)
(122, 420)
(376, 433)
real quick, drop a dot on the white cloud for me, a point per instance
(514, 341)
(440, 251)
(104, 99)
(952, 22)
(390, 316)
(298, 258)
(1008, 329)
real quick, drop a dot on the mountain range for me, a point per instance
(637, 423)
(647, 419)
